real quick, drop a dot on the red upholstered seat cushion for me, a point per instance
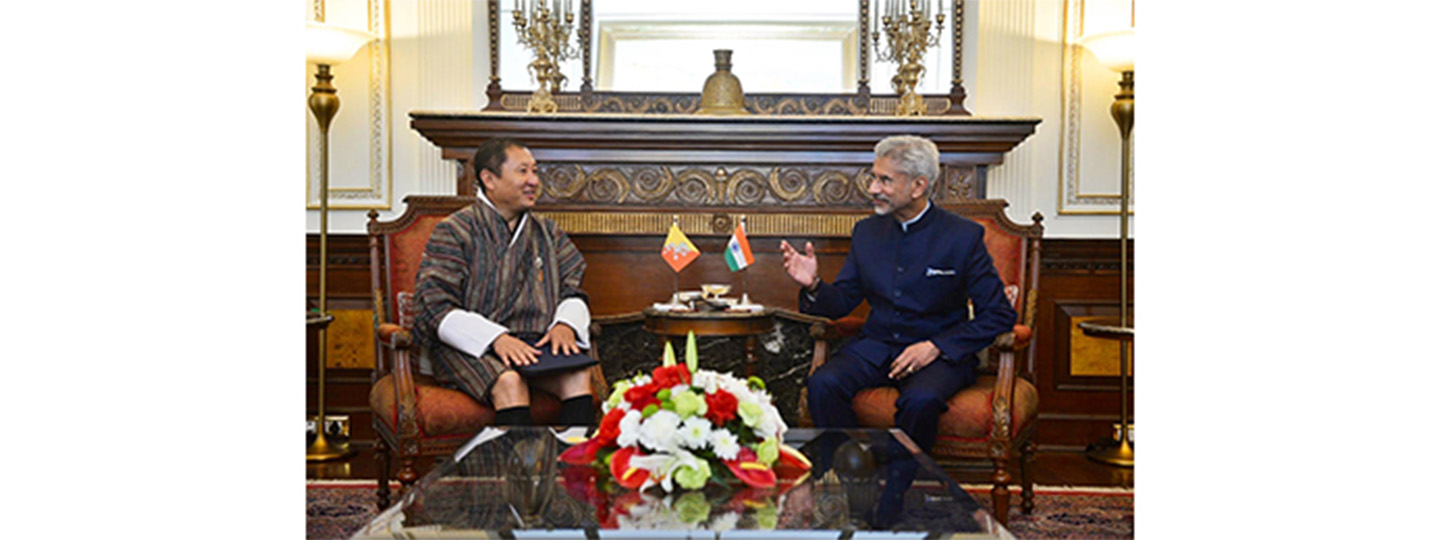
(968, 416)
(445, 412)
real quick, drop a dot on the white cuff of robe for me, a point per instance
(469, 332)
(574, 312)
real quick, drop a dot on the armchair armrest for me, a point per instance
(834, 330)
(598, 386)
(1015, 340)
(825, 331)
(393, 336)
(398, 341)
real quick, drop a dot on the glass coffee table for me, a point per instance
(507, 483)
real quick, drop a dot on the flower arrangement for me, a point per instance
(682, 425)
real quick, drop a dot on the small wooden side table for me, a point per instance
(747, 324)
(1122, 454)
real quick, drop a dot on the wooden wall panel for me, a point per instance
(1076, 277)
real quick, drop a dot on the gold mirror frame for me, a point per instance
(860, 103)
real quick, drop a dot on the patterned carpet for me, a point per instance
(1069, 512)
(336, 508)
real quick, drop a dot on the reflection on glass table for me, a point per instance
(509, 484)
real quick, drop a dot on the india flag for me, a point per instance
(737, 251)
(678, 250)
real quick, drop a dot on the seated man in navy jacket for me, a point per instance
(917, 265)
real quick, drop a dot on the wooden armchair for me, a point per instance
(994, 418)
(414, 415)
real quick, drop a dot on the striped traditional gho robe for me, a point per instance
(472, 263)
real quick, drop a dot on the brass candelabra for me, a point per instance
(907, 33)
(546, 31)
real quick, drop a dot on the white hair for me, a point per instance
(914, 156)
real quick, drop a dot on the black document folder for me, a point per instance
(549, 364)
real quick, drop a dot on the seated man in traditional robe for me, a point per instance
(498, 283)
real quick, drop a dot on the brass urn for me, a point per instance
(722, 94)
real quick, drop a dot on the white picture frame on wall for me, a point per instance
(1090, 186)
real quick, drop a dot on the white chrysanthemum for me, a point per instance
(658, 431)
(629, 429)
(726, 445)
(695, 433)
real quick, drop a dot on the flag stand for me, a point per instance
(744, 287)
(675, 297)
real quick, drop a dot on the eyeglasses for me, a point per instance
(870, 176)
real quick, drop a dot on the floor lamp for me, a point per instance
(1115, 51)
(325, 46)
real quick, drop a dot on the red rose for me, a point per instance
(610, 427)
(666, 377)
(720, 407)
(642, 395)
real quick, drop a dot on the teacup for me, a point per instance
(715, 290)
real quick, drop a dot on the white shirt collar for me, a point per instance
(905, 226)
(524, 217)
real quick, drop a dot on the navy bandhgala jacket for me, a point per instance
(917, 282)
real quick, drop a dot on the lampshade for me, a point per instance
(330, 44)
(1115, 50)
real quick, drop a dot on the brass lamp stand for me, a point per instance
(327, 45)
(1113, 49)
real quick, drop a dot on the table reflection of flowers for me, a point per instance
(681, 425)
(715, 508)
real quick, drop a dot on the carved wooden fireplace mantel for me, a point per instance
(842, 143)
(615, 182)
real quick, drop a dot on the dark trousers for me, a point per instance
(865, 363)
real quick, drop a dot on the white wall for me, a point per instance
(1015, 65)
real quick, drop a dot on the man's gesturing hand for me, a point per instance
(561, 338)
(913, 359)
(801, 267)
(514, 352)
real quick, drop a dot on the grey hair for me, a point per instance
(914, 156)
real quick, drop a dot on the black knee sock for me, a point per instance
(577, 411)
(514, 416)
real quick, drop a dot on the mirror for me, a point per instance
(790, 47)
